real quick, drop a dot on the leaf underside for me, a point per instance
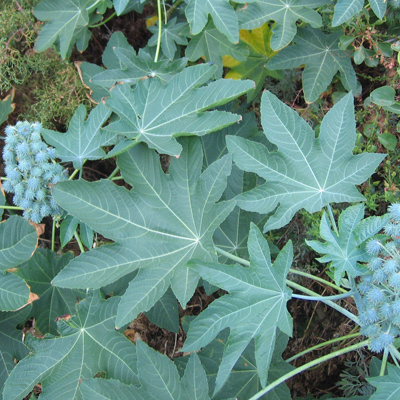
(157, 227)
(254, 308)
(306, 172)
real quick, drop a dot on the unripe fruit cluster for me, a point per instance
(378, 298)
(30, 169)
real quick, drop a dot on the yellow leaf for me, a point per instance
(259, 41)
(151, 21)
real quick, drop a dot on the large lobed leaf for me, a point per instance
(346, 249)
(213, 46)
(387, 386)
(244, 380)
(322, 57)
(346, 9)
(306, 172)
(222, 13)
(83, 140)
(285, 13)
(67, 23)
(124, 65)
(6, 107)
(157, 114)
(18, 240)
(170, 37)
(88, 345)
(254, 66)
(233, 233)
(254, 308)
(54, 302)
(158, 226)
(12, 347)
(159, 379)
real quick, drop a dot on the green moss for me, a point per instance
(48, 89)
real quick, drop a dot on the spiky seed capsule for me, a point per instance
(373, 247)
(27, 161)
(375, 263)
(394, 210)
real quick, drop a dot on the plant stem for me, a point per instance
(105, 21)
(395, 354)
(89, 9)
(78, 239)
(165, 12)
(318, 279)
(11, 208)
(159, 30)
(293, 271)
(72, 176)
(384, 362)
(232, 256)
(307, 366)
(320, 345)
(173, 8)
(330, 303)
(332, 218)
(115, 172)
(297, 286)
(53, 235)
(318, 298)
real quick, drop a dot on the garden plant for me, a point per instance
(234, 119)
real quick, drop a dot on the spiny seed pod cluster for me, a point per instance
(30, 169)
(378, 299)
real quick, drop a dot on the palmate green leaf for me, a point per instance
(170, 37)
(387, 386)
(232, 234)
(347, 249)
(14, 292)
(88, 345)
(253, 67)
(322, 58)
(53, 302)
(67, 24)
(254, 308)
(221, 12)
(345, 9)
(122, 64)
(159, 379)
(134, 68)
(108, 389)
(2, 203)
(6, 107)
(379, 7)
(212, 45)
(305, 172)
(157, 114)
(158, 226)
(124, 6)
(83, 140)
(18, 240)
(285, 13)
(244, 381)
(11, 345)
(165, 313)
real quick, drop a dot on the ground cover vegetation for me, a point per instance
(200, 199)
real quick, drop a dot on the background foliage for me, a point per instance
(202, 139)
